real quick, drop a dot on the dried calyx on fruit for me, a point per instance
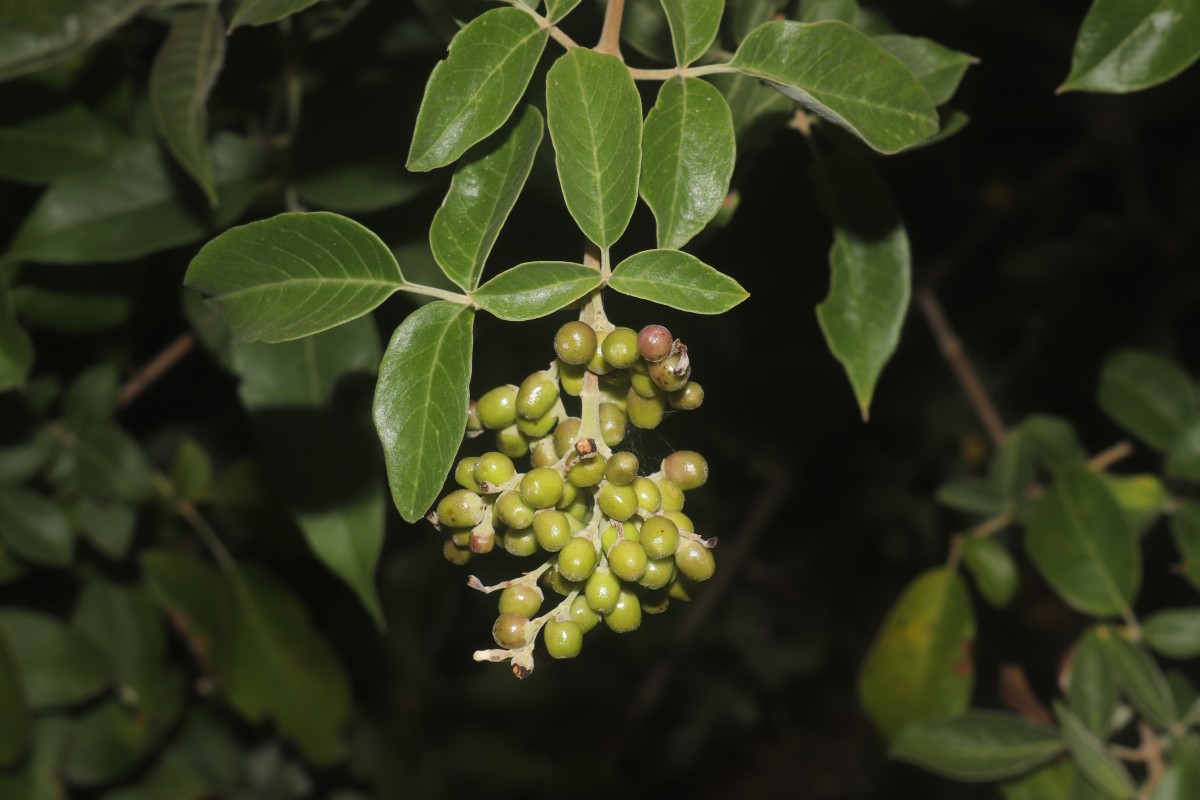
(615, 543)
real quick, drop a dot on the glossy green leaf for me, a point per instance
(16, 349)
(1091, 688)
(36, 35)
(843, 76)
(1183, 459)
(1084, 546)
(1055, 442)
(361, 187)
(1149, 396)
(482, 193)
(745, 16)
(1127, 45)
(993, 568)
(938, 68)
(557, 9)
(14, 712)
(58, 666)
(921, 665)
(595, 119)
(529, 291)
(870, 284)
(421, 402)
(688, 152)
(106, 463)
(108, 526)
(970, 495)
(474, 90)
(35, 528)
(44, 137)
(1089, 754)
(976, 746)
(92, 398)
(1139, 678)
(294, 275)
(678, 280)
(817, 10)
(1175, 632)
(758, 110)
(694, 25)
(264, 12)
(183, 74)
(132, 207)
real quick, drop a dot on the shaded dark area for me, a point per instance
(1053, 229)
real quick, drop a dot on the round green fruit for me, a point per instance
(689, 398)
(671, 374)
(522, 599)
(464, 473)
(462, 508)
(587, 472)
(621, 348)
(513, 511)
(659, 572)
(687, 468)
(601, 591)
(512, 442)
(575, 342)
(541, 487)
(577, 559)
(493, 469)
(645, 412)
(520, 543)
(511, 631)
(537, 395)
(612, 424)
(626, 616)
(695, 560)
(552, 529)
(622, 468)
(583, 614)
(660, 537)
(564, 639)
(498, 408)
(565, 436)
(627, 560)
(570, 377)
(617, 502)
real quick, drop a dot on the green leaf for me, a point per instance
(870, 284)
(977, 746)
(108, 526)
(938, 68)
(970, 495)
(59, 667)
(746, 15)
(188, 591)
(1091, 689)
(1084, 546)
(1149, 396)
(1055, 442)
(1141, 497)
(371, 184)
(34, 528)
(817, 10)
(1139, 678)
(595, 119)
(843, 76)
(92, 398)
(1175, 632)
(1054, 781)
(1012, 471)
(476, 87)
(1182, 778)
(36, 35)
(1127, 45)
(110, 740)
(16, 350)
(676, 279)
(14, 712)
(131, 207)
(533, 290)
(183, 74)
(106, 463)
(694, 25)
(44, 137)
(264, 12)
(688, 152)
(482, 193)
(192, 471)
(920, 665)
(557, 9)
(758, 110)
(1089, 754)
(122, 623)
(421, 402)
(294, 275)
(39, 777)
(993, 568)
(1183, 459)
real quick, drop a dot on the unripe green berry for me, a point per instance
(617, 502)
(681, 589)
(520, 542)
(577, 560)
(541, 487)
(513, 511)
(655, 343)
(498, 408)
(455, 554)
(511, 631)
(655, 602)
(597, 364)
(464, 473)
(537, 395)
(555, 580)
(645, 412)
(460, 536)
(689, 398)
(648, 496)
(615, 381)
(587, 472)
(621, 348)
(570, 376)
(627, 560)
(473, 422)
(641, 382)
(462, 508)
(579, 510)
(670, 374)
(695, 560)
(659, 572)
(552, 529)
(575, 342)
(671, 494)
(523, 599)
(512, 442)
(612, 424)
(565, 436)
(626, 616)
(686, 468)
(537, 428)
(583, 614)
(660, 537)
(542, 453)
(601, 591)
(681, 520)
(622, 468)
(563, 639)
(609, 536)
(569, 496)
(494, 469)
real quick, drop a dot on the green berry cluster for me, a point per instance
(615, 542)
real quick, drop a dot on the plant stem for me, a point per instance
(610, 36)
(155, 368)
(555, 32)
(441, 294)
(678, 72)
